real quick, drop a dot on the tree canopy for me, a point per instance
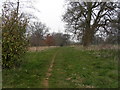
(85, 19)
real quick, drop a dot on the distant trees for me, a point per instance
(37, 36)
(49, 40)
(0, 30)
(114, 36)
(98, 40)
(85, 19)
(118, 27)
(13, 35)
(61, 39)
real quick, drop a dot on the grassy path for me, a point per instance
(65, 67)
(49, 72)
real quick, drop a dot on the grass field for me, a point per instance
(72, 68)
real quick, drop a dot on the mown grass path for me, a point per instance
(65, 67)
(49, 72)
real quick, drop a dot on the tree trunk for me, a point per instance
(88, 33)
(87, 37)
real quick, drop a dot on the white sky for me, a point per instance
(51, 12)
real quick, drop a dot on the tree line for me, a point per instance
(38, 35)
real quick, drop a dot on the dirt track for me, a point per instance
(49, 72)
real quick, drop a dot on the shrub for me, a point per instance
(13, 36)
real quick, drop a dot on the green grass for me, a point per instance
(79, 69)
(72, 69)
(32, 71)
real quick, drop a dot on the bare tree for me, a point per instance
(85, 19)
(38, 33)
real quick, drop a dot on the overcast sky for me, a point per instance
(51, 12)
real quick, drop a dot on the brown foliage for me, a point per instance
(49, 40)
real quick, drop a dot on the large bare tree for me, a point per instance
(85, 19)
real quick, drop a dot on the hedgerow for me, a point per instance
(14, 41)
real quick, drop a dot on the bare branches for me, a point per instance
(39, 31)
(90, 16)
